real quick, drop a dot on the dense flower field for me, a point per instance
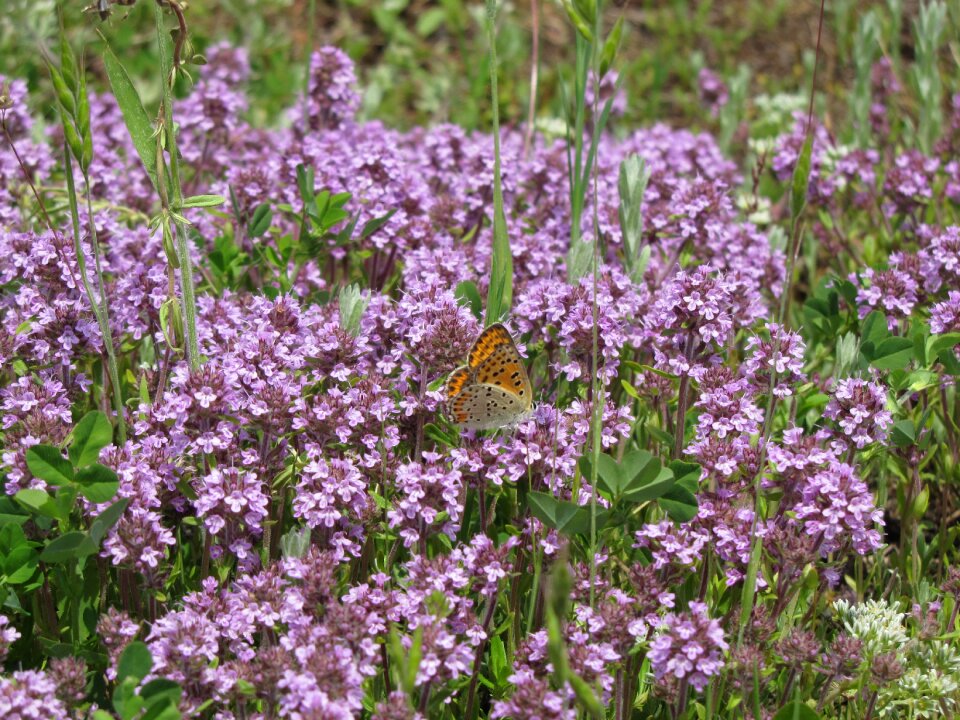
(734, 496)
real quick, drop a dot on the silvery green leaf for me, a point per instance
(353, 303)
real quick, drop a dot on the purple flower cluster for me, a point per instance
(301, 418)
(31, 695)
(689, 646)
(829, 501)
(713, 90)
(945, 316)
(859, 408)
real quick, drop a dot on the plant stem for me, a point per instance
(170, 135)
(98, 305)
(478, 657)
(104, 317)
(534, 75)
(596, 420)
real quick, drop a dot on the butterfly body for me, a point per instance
(492, 390)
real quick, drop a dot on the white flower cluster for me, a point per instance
(930, 685)
(875, 622)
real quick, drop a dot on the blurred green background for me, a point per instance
(423, 62)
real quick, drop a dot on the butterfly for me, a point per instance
(492, 389)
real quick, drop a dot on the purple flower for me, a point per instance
(332, 98)
(837, 507)
(185, 646)
(116, 631)
(945, 316)
(787, 154)
(713, 90)
(227, 63)
(908, 184)
(233, 506)
(331, 498)
(859, 407)
(8, 635)
(786, 361)
(692, 317)
(33, 412)
(689, 646)
(672, 544)
(31, 695)
(940, 257)
(427, 499)
(892, 292)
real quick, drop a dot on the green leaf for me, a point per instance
(847, 290)
(680, 501)
(467, 294)
(434, 432)
(904, 433)
(134, 116)
(352, 303)
(107, 519)
(822, 314)
(135, 662)
(801, 179)
(69, 546)
(796, 711)
(10, 513)
(20, 564)
(586, 697)
(371, 226)
(500, 290)
(644, 477)
(160, 690)
(414, 657)
(873, 331)
(203, 201)
(947, 341)
(68, 62)
(305, 184)
(638, 478)
(47, 463)
(63, 502)
(295, 542)
(93, 433)
(498, 660)
(163, 710)
(125, 699)
(579, 22)
(32, 498)
(610, 46)
(98, 483)
(260, 221)
(64, 95)
(894, 353)
(564, 516)
(430, 21)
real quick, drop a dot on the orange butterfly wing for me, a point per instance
(505, 370)
(490, 339)
(457, 380)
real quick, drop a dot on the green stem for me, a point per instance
(183, 250)
(98, 305)
(596, 420)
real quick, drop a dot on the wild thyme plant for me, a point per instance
(735, 492)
